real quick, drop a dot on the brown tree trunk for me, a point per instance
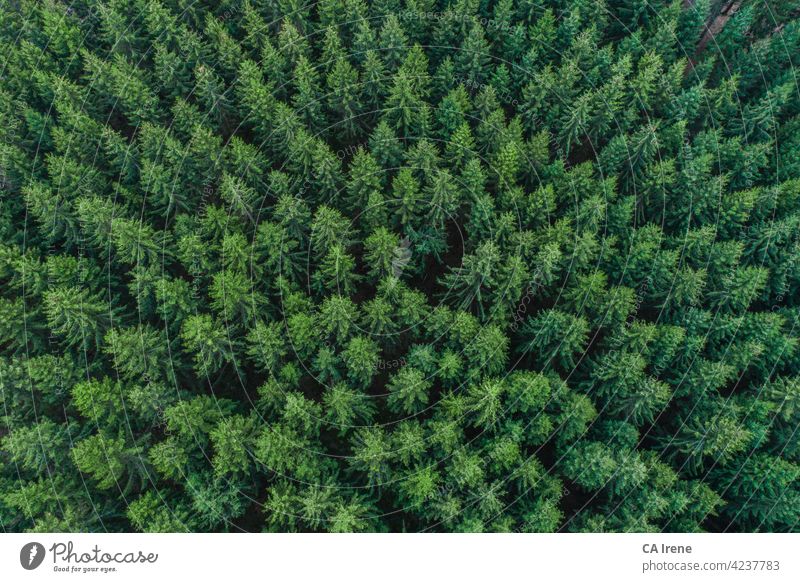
(713, 28)
(718, 23)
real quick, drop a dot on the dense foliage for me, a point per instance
(399, 265)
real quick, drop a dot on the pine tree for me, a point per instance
(472, 266)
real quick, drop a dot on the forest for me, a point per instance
(399, 266)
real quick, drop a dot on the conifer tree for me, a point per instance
(526, 266)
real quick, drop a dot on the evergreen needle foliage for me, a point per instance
(399, 265)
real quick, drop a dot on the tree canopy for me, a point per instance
(399, 265)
